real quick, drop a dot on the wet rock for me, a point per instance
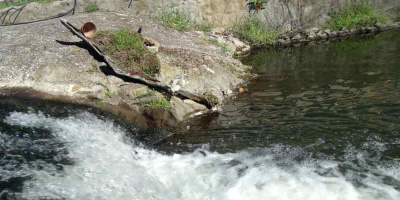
(354, 31)
(297, 37)
(311, 33)
(322, 35)
(328, 31)
(343, 33)
(372, 29)
(333, 34)
(184, 108)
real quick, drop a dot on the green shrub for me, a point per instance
(181, 20)
(254, 31)
(176, 19)
(21, 3)
(398, 17)
(92, 7)
(363, 14)
(203, 26)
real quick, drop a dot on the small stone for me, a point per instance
(237, 42)
(297, 37)
(342, 33)
(311, 35)
(327, 31)
(246, 49)
(333, 34)
(322, 35)
(372, 30)
(241, 90)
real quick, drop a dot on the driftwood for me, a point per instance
(183, 94)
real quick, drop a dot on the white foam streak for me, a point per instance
(108, 166)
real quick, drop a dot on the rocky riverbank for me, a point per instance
(45, 57)
(316, 34)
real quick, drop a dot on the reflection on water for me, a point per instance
(330, 96)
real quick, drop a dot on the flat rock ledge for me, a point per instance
(44, 60)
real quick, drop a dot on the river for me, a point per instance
(319, 122)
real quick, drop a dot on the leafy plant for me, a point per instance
(254, 31)
(256, 5)
(362, 14)
(92, 7)
(398, 17)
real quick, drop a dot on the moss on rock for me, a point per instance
(128, 51)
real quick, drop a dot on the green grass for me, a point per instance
(158, 104)
(109, 94)
(224, 47)
(148, 93)
(129, 51)
(181, 20)
(124, 39)
(21, 3)
(92, 7)
(397, 17)
(254, 31)
(203, 26)
(176, 19)
(363, 14)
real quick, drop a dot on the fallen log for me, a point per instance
(183, 94)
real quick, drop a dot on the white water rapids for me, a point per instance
(110, 166)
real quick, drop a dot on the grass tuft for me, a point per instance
(224, 47)
(92, 7)
(109, 94)
(203, 26)
(124, 39)
(254, 31)
(128, 51)
(159, 104)
(398, 17)
(176, 19)
(363, 14)
(181, 20)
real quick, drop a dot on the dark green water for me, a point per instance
(326, 98)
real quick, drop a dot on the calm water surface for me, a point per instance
(320, 122)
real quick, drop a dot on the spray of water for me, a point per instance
(107, 165)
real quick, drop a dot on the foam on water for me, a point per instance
(107, 165)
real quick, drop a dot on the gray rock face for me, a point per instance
(30, 56)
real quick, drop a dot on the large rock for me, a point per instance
(55, 62)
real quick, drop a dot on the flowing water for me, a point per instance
(320, 122)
